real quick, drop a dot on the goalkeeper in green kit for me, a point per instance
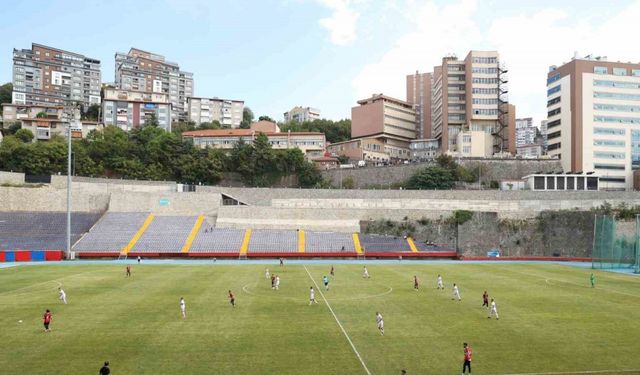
(593, 280)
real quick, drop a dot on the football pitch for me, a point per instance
(551, 320)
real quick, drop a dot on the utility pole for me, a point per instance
(69, 114)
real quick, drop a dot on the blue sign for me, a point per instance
(150, 105)
(164, 201)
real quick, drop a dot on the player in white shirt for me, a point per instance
(365, 274)
(312, 296)
(456, 293)
(277, 282)
(494, 310)
(440, 284)
(266, 274)
(183, 308)
(380, 323)
(63, 296)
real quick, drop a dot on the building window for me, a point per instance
(553, 135)
(608, 142)
(608, 131)
(553, 78)
(635, 72)
(600, 70)
(560, 183)
(538, 183)
(616, 84)
(616, 108)
(554, 146)
(553, 90)
(554, 112)
(619, 71)
(571, 183)
(613, 167)
(611, 95)
(608, 155)
(553, 101)
(616, 119)
(551, 183)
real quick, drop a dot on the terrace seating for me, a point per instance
(42, 230)
(328, 242)
(165, 234)
(273, 241)
(112, 233)
(377, 243)
(217, 240)
(423, 247)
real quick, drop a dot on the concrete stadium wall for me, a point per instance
(165, 203)
(493, 170)
(48, 199)
(11, 178)
(105, 185)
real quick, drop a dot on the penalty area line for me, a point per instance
(366, 369)
(577, 372)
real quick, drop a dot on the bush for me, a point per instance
(431, 178)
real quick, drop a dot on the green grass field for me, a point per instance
(550, 320)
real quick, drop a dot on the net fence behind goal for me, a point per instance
(616, 243)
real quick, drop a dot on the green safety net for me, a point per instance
(614, 246)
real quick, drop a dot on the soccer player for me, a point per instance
(325, 280)
(232, 299)
(128, 271)
(593, 280)
(183, 308)
(266, 273)
(467, 358)
(139, 259)
(273, 281)
(63, 295)
(332, 273)
(415, 283)
(104, 370)
(281, 261)
(456, 292)
(380, 323)
(47, 320)
(312, 296)
(365, 274)
(440, 284)
(494, 310)
(277, 282)
(485, 299)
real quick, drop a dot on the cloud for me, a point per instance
(342, 22)
(528, 44)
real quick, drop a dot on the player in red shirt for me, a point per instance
(47, 320)
(485, 299)
(415, 282)
(232, 299)
(467, 358)
(128, 271)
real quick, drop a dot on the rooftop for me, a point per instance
(240, 133)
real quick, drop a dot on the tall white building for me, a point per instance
(227, 112)
(593, 119)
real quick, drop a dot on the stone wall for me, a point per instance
(166, 203)
(493, 170)
(11, 178)
(564, 233)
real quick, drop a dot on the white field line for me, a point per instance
(577, 372)
(366, 369)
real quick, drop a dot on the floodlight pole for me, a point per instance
(69, 113)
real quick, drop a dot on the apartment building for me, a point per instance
(17, 112)
(227, 112)
(419, 95)
(44, 129)
(131, 109)
(593, 118)
(312, 144)
(525, 132)
(144, 71)
(543, 135)
(45, 75)
(371, 150)
(470, 96)
(302, 114)
(424, 149)
(390, 120)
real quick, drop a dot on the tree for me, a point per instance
(41, 115)
(432, 178)
(247, 118)
(265, 118)
(25, 135)
(151, 120)
(334, 131)
(215, 124)
(92, 113)
(6, 92)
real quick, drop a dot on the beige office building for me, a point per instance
(302, 114)
(390, 120)
(470, 96)
(593, 119)
(370, 150)
(227, 112)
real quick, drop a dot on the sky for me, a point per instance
(327, 54)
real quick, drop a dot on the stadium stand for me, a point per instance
(166, 234)
(328, 242)
(112, 233)
(375, 243)
(217, 240)
(273, 241)
(42, 230)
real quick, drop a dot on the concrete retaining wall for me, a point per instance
(493, 170)
(165, 203)
(48, 199)
(11, 178)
